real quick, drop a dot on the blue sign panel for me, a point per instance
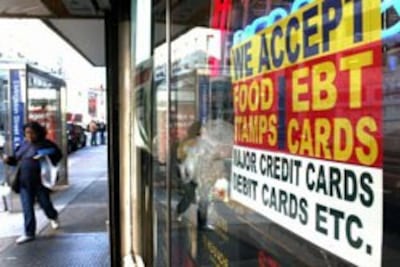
(17, 109)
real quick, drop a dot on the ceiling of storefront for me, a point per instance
(86, 36)
(23, 8)
(79, 22)
(53, 8)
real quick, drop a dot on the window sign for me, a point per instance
(307, 96)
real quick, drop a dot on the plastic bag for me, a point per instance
(48, 172)
(5, 189)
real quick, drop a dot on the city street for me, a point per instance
(82, 239)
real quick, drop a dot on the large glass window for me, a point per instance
(278, 125)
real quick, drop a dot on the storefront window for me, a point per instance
(282, 132)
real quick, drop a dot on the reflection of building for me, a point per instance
(193, 50)
(196, 97)
(191, 82)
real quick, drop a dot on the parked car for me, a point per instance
(76, 136)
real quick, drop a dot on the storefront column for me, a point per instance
(120, 138)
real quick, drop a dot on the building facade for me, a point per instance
(249, 133)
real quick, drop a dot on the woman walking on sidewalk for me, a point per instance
(27, 156)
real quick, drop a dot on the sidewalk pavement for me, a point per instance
(82, 205)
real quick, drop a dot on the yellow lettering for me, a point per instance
(252, 96)
(354, 64)
(263, 128)
(267, 95)
(242, 97)
(299, 89)
(364, 127)
(325, 85)
(343, 145)
(293, 128)
(306, 139)
(273, 132)
(238, 128)
(236, 98)
(253, 128)
(322, 134)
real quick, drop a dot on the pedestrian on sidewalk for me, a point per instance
(93, 133)
(27, 156)
(102, 130)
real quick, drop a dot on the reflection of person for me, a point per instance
(193, 132)
(187, 185)
(27, 156)
(205, 160)
(93, 133)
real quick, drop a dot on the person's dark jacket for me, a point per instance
(27, 156)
